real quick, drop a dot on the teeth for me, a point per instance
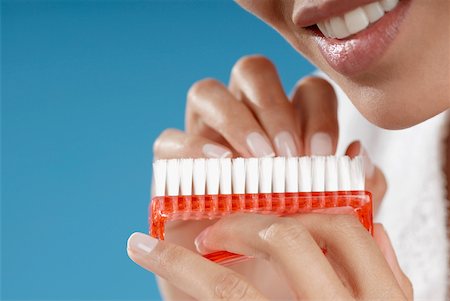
(354, 21)
(329, 29)
(339, 27)
(322, 28)
(389, 5)
(374, 11)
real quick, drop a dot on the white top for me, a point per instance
(414, 208)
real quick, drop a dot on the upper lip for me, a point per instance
(310, 12)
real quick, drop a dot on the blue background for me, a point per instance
(86, 88)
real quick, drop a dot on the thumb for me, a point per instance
(385, 246)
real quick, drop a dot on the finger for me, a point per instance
(254, 80)
(191, 273)
(174, 143)
(211, 103)
(315, 101)
(295, 243)
(375, 180)
(194, 125)
(385, 245)
(170, 292)
(284, 242)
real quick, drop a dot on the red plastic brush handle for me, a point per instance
(170, 208)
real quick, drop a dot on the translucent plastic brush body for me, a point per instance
(199, 189)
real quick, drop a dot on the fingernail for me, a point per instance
(199, 242)
(285, 145)
(369, 168)
(215, 151)
(141, 243)
(321, 144)
(258, 145)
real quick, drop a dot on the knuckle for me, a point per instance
(277, 109)
(316, 82)
(157, 145)
(285, 231)
(190, 141)
(317, 92)
(252, 64)
(346, 221)
(230, 286)
(344, 224)
(201, 87)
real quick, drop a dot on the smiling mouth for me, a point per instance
(354, 21)
(353, 38)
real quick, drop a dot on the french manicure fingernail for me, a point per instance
(141, 243)
(215, 151)
(321, 144)
(258, 145)
(285, 145)
(199, 242)
(369, 168)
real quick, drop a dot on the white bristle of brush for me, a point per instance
(257, 175)
(304, 174)
(344, 180)
(292, 174)
(199, 176)
(173, 177)
(318, 174)
(331, 174)
(225, 176)
(159, 174)
(186, 170)
(212, 176)
(251, 175)
(265, 175)
(238, 175)
(279, 175)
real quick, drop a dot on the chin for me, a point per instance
(395, 111)
(390, 121)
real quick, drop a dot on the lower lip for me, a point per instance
(357, 53)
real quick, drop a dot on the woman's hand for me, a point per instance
(353, 268)
(254, 117)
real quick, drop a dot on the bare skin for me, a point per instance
(252, 116)
(225, 117)
(384, 88)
